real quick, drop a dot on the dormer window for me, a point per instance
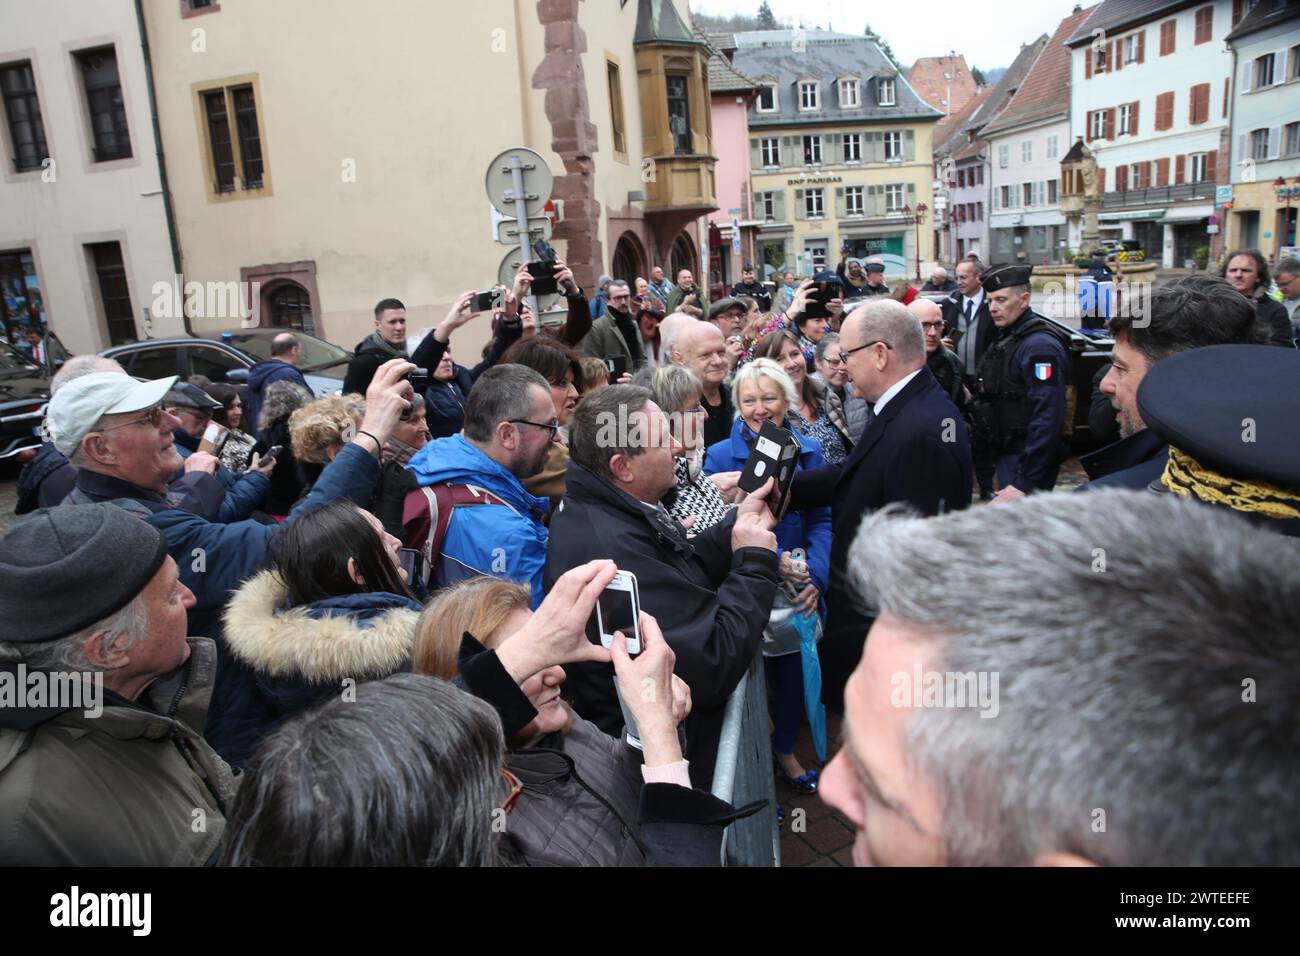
(767, 101)
(849, 98)
(885, 93)
(810, 95)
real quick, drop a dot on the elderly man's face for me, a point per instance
(163, 649)
(653, 471)
(889, 801)
(931, 317)
(968, 281)
(133, 449)
(939, 277)
(1128, 368)
(863, 364)
(193, 421)
(685, 279)
(731, 322)
(657, 275)
(703, 350)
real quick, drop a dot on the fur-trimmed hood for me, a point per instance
(362, 636)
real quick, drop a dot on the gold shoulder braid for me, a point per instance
(1186, 477)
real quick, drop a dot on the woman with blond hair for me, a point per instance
(584, 798)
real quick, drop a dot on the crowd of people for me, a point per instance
(402, 579)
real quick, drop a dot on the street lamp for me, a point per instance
(918, 218)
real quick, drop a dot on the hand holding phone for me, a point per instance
(617, 365)
(649, 695)
(775, 455)
(619, 609)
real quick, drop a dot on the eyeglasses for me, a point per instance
(553, 427)
(834, 362)
(153, 417)
(516, 788)
(932, 325)
(845, 353)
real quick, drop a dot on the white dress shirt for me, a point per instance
(893, 390)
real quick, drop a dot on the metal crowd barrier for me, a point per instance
(743, 773)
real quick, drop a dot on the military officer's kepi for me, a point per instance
(1229, 414)
(1001, 277)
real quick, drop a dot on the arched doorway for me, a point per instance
(684, 256)
(629, 259)
(289, 307)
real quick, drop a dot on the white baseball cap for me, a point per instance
(77, 407)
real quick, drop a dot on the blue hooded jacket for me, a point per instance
(259, 377)
(502, 542)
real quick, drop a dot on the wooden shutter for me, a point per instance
(911, 195)
(1110, 124)
(1164, 111)
(1237, 9)
(1168, 37)
(1087, 132)
(1101, 180)
(1162, 172)
(1274, 142)
(1133, 118)
(1146, 175)
(877, 206)
(1243, 146)
(1087, 63)
(791, 151)
(836, 152)
(778, 205)
(840, 210)
(800, 210)
(1142, 46)
(1116, 55)
(876, 147)
(755, 154)
(1180, 169)
(1121, 178)
(909, 145)
(1212, 166)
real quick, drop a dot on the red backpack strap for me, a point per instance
(426, 515)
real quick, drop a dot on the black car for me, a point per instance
(227, 357)
(24, 392)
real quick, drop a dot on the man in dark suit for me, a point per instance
(969, 329)
(916, 451)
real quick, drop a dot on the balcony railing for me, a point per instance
(1157, 195)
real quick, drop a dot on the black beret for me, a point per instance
(63, 569)
(1001, 277)
(1233, 408)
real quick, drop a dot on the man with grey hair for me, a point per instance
(615, 334)
(711, 594)
(916, 450)
(939, 281)
(992, 722)
(968, 331)
(497, 528)
(107, 767)
(1287, 276)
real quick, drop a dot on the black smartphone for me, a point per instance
(485, 301)
(272, 452)
(408, 560)
(617, 365)
(543, 274)
(419, 380)
(818, 296)
(775, 455)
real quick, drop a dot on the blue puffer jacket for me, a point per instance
(244, 493)
(809, 529)
(259, 377)
(503, 542)
(215, 559)
(302, 655)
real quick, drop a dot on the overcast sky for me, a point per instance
(989, 34)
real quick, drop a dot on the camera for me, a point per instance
(485, 301)
(542, 268)
(419, 380)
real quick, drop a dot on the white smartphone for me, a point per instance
(619, 609)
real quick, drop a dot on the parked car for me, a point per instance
(24, 392)
(227, 357)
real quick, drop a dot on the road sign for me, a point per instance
(735, 236)
(537, 178)
(538, 228)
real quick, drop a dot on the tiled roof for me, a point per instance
(950, 134)
(927, 78)
(996, 100)
(767, 55)
(1265, 14)
(1044, 92)
(723, 77)
(1116, 15)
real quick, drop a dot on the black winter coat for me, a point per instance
(1273, 316)
(710, 604)
(985, 329)
(917, 451)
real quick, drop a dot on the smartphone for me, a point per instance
(407, 560)
(485, 301)
(618, 609)
(214, 433)
(775, 455)
(419, 380)
(818, 296)
(617, 365)
(543, 274)
(272, 452)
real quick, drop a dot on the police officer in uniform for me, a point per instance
(755, 290)
(1020, 398)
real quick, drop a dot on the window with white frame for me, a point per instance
(1135, 171)
(1053, 147)
(812, 150)
(1099, 124)
(767, 101)
(767, 206)
(1026, 150)
(849, 98)
(1131, 49)
(814, 203)
(853, 147)
(1005, 195)
(893, 145)
(1198, 167)
(885, 93)
(1291, 139)
(1027, 194)
(771, 150)
(1259, 144)
(853, 201)
(809, 95)
(1052, 192)
(1293, 59)
(1004, 156)
(1264, 71)
(894, 197)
